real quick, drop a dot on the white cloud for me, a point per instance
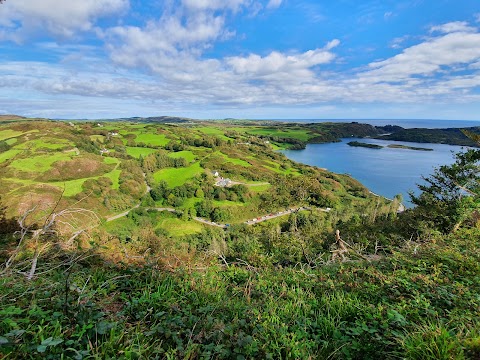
(388, 15)
(273, 4)
(397, 42)
(197, 5)
(277, 63)
(429, 57)
(166, 63)
(456, 26)
(21, 19)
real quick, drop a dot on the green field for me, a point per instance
(111, 160)
(136, 152)
(9, 154)
(189, 203)
(300, 134)
(152, 139)
(177, 227)
(178, 176)
(11, 141)
(6, 134)
(234, 160)
(213, 131)
(227, 203)
(99, 138)
(187, 155)
(259, 188)
(74, 187)
(40, 163)
(50, 144)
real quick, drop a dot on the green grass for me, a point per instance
(6, 134)
(178, 176)
(136, 152)
(152, 139)
(187, 155)
(277, 147)
(213, 131)
(190, 202)
(259, 188)
(9, 133)
(74, 187)
(234, 160)
(300, 134)
(11, 141)
(41, 163)
(111, 160)
(178, 227)
(21, 181)
(50, 144)
(114, 175)
(221, 203)
(100, 138)
(276, 167)
(9, 154)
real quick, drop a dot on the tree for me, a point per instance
(452, 194)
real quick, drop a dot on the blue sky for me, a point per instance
(279, 59)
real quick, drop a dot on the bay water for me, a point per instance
(387, 171)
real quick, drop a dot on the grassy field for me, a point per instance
(152, 139)
(50, 144)
(136, 152)
(40, 163)
(259, 188)
(234, 160)
(189, 203)
(11, 141)
(177, 227)
(74, 187)
(9, 154)
(8, 133)
(187, 155)
(213, 131)
(178, 176)
(299, 134)
(276, 167)
(100, 138)
(227, 203)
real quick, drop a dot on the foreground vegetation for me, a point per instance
(419, 303)
(153, 282)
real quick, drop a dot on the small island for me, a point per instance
(393, 146)
(366, 145)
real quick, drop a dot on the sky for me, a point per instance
(257, 59)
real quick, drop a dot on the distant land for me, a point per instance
(308, 131)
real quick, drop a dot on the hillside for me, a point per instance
(199, 240)
(451, 136)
